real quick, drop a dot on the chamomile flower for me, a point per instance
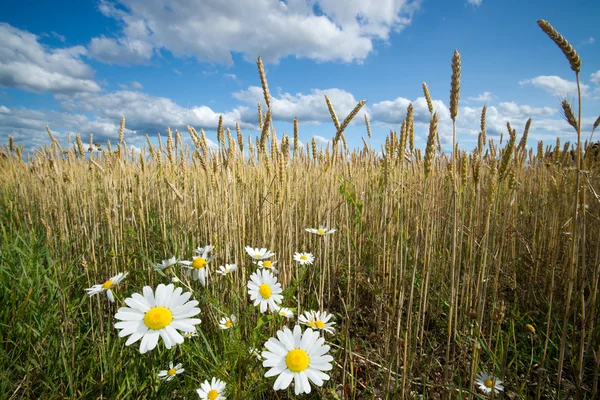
(106, 286)
(212, 390)
(317, 320)
(165, 264)
(189, 335)
(488, 383)
(203, 251)
(264, 289)
(227, 323)
(199, 263)
(226, 269)
(270, 265)
(168, 374)
(298, 356)
(304, 258)
(321, 230)
(155, 314)
(285, 312)
(259, 254)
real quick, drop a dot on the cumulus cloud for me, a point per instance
(26, 64)
(150, 114)
(475, 3)
(595, 78)
(556, 86)
(321, 30)
(121, 51)
(484, 97)
(308, 108)
(394, 111)
(136, 85)
(100, 114)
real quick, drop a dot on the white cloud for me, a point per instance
(145, 114)
(321, 30)
(178, 72)
(475, 3)
(523, 110)
(231, 76)
(394, 111)
(121, 51)
(556, 86)
(123, 86)
(58, 36)
(485, 97)
(149, 114)
(136, 85)
(26, 64)
(595, 77)
(308, 108)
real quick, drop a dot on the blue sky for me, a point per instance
(79, 66)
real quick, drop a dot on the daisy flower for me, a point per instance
(298, 356)
(270, 265)
(189, 335)
(168, 374)
(487, 383)
(212, 390)
(165, 264)
(227, 269)
(256, 353)
(203, 251)
(198, 264)
(264, 289)
(304, 258)
(107, 286)
(155, 314)
(259, 254)
(227, 323)
(317, 320)
(285, 312)
(321, 231)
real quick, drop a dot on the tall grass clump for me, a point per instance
(406, 273)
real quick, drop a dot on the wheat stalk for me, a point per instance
(455, 85)
(562, 43)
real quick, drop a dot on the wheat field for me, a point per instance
(442, 265)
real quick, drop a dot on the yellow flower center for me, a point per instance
(213, 394)
(303, 258)
(297, 360)
(171, 372)
(158, 317)
(321, 231)
(257, 255)
(199, 263)
(265, 291)
(529, 328)
(228, 323)
(311, 324)
(320, 324)
(267, 264)
(488, 383)
(108, 284)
